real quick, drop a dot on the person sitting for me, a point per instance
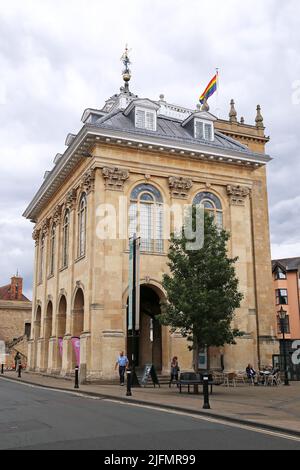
(251, 374)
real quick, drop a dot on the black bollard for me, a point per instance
(128, 381)
(76, 377)
(2, 369)
(206, 405)
(19, 371)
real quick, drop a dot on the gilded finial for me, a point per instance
(259, 119)
(205, 106)
(232, 113)
(126, 72)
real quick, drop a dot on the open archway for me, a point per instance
(61, 327)
(77, 320)
(37, 323)
(48, 331)
(36, 333)
(147, 342)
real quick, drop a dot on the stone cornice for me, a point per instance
(91, 135)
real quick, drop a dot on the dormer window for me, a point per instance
(203, 130)
(145, 119)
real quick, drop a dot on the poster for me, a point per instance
(76, 348)
(60, 346)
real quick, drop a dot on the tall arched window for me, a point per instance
(52, 249)
(146, 217)
(66, 231)
(82, 226)
(212, 205)
(41, 266)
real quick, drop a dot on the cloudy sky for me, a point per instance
(58, 57)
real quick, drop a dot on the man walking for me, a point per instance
(122, 362)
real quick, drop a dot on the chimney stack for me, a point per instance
(16, 288)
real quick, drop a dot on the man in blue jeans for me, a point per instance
(122, 362)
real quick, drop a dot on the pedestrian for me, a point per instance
(122, 363)
(17, 361)
(174, 369)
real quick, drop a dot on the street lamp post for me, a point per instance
(282, 316)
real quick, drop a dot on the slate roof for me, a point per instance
(168, 128)
(289, 264)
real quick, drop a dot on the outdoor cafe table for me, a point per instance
(264, 374)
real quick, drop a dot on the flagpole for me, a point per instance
(218, 109)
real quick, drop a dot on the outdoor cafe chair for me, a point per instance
(230, 379)
(241, 377)
(274, 379)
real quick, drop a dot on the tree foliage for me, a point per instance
(202, 289)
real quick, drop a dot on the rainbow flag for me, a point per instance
(210, 89)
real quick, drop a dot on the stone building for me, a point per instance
(15, 318)
(137, 156)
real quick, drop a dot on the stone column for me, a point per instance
(32, 344)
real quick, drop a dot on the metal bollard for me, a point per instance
(206, 405)
(76, 377)
(19, 371)
(128, 376)
(2, 369)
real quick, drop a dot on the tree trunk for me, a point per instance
(196, 364)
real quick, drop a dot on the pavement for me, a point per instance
(274, 408)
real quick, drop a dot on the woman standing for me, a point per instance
(174, 369)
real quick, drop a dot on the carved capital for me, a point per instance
(88, 181)
(36, 236)
(115, 178)
(70, 202)
(56, 218)
(180, 187)
(238, 195)
(45, 227)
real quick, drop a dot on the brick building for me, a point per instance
(15, 318)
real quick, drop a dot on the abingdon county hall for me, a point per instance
(150, 154)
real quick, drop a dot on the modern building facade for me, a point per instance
(131, 161)
(286, 275)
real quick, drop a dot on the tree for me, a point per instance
(202, 289)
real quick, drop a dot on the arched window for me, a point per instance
(212, 205)
(52, 249)
(41, 267)
(66, 231)
(146, 217)
(82, 226)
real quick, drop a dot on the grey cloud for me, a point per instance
(56, 60)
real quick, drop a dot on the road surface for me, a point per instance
(36, 418)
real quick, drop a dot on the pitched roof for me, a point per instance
(5, 294)
(288, 264)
